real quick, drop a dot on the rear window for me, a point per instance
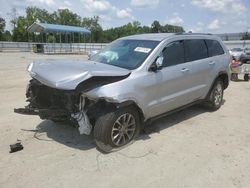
(195, 49)
(214, 48)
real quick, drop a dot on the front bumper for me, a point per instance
(43, 113)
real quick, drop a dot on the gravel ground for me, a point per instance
(191, 148)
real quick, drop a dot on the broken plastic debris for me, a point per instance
(16, 147)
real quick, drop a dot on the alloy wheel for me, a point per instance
(218, 92)
(123, 129)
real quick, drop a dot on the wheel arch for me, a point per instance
(106, 106)
(133, 104)
(223, 76)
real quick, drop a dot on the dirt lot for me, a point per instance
(192, 148)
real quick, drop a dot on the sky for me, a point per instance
(209, 16)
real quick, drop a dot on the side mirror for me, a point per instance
(157, 64)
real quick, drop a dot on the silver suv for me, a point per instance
(131, 81)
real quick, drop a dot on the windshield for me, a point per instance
(128, 54)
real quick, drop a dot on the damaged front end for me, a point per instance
(58, 87)
(56, 105)
(63, 105)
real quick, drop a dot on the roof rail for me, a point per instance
(183, 33)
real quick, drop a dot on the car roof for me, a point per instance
(150, 36)
(162, 36)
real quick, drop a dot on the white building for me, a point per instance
(231, 36)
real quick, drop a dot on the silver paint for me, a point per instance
(67, 74)
(153, 92)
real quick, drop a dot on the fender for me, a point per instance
(225, 78)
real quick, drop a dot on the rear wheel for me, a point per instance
(215, 97)
(246, 77)
(234, 76)
(116, 129)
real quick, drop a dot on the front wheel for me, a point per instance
(116, 129)
(215, 97)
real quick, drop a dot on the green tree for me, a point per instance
(7, 36)
(13, 15)
(2, 27)
(20, 31)
(246, 36)
(66, 17)
(93, 25)
(156, 27)
(2, 24)
(172, 29)
(125, 30)
(146, 29)
(34, 14)
(51, 39)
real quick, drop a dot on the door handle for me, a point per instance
(211, 63)
(184, 70)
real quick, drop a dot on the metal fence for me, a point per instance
(237, 44)
(54, 48)
(50, 48)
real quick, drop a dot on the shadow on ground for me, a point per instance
(65, 134)
(69, 135)
(239, 80)
(173, 119)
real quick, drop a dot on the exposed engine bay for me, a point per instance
(63, 105)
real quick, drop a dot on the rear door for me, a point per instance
(199, 64)
(217, 60)
(184, 78)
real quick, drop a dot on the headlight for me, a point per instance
(29, 68)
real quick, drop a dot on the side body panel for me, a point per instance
(169, 88)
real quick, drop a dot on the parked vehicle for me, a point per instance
(239, 68)
(245, 57)
(236, 53)
(130, 82)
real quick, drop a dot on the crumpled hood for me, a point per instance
(67, 74)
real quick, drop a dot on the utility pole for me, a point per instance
(13, 15)
(246, 37)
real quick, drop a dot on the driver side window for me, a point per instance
(173, 54)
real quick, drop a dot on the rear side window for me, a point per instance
(214, 48)
(195, 49)
(173, 54)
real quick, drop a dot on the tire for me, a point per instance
(111, 131)
(234, 76)
(215, 97)
(246, 77)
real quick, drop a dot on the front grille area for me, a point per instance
(43, 97)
